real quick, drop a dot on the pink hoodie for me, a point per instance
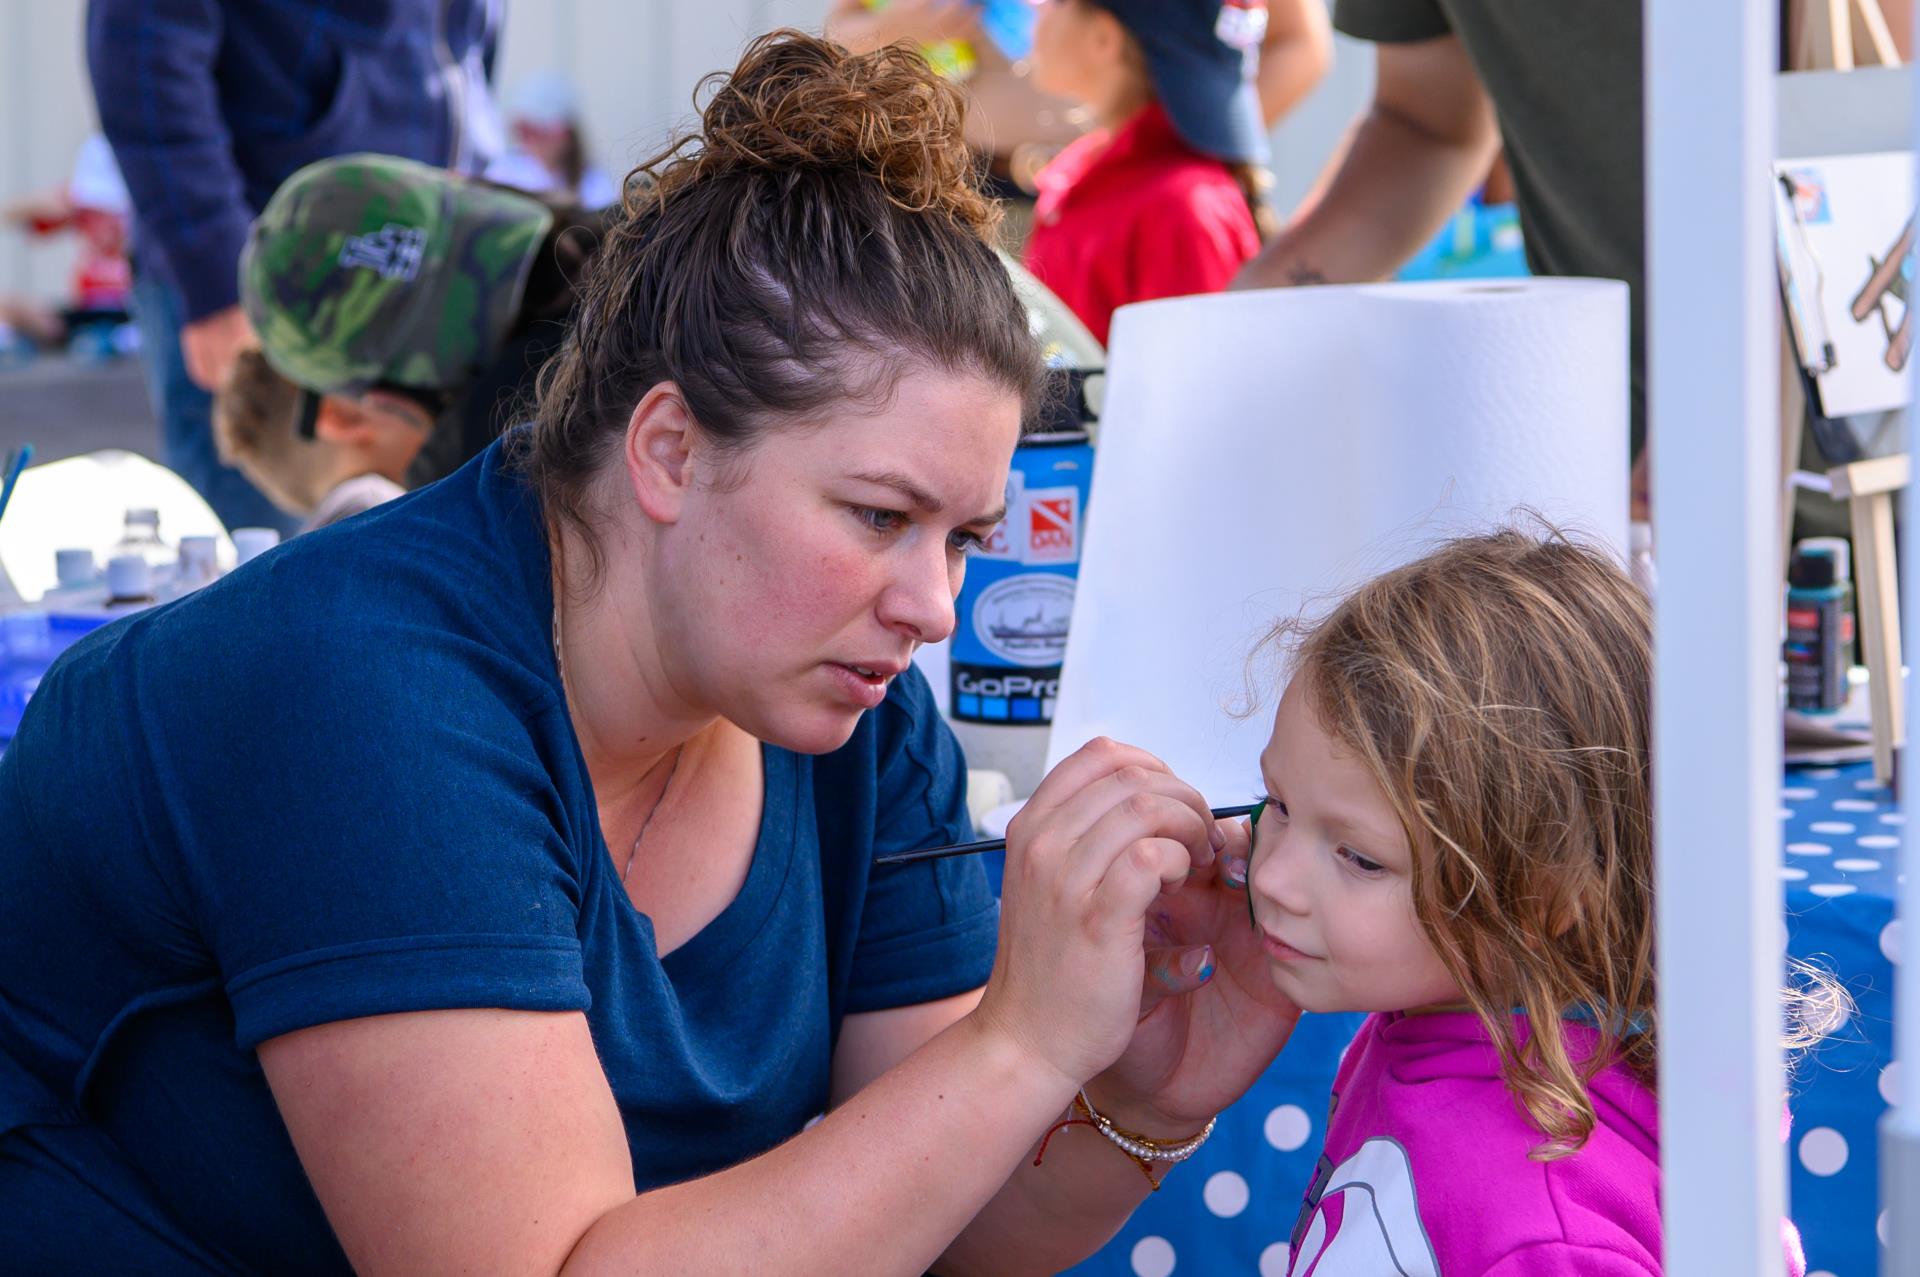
(1426, 1172)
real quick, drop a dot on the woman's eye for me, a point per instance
(1360, 864)
(878, 520)
(964, 542)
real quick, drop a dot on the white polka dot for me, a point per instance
(1274, 1260)
(1787, 813)
(1823, 1151)
(1832, 889)
(1820, 1273)
(1854, 804)
(1892, 818)
(1890, 1082)
(1790, 874)
(1880, 1227)
(1890, 940)
(1868, 783)
(1822, 773)
(1856, 866)
(1225, 1194)
(1878, 842)
(1288, 1127)
(1809, 849)
(1797, 793)
(1152, 1257)
(1831, 827)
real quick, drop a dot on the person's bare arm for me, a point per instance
(1044, 1218)
(1295, 55)
(489, 1140)
(1416, 154)
(861, 29)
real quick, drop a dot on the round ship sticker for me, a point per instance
(1023, 619)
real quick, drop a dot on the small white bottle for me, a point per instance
(250, 543)
(81, 587)
(198, 565)
(129, 582)
(76, 568)
(142, 537)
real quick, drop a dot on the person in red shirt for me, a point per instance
(1164, 197)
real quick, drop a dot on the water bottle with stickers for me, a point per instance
(1012, 614)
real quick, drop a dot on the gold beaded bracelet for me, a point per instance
(1142, 1150)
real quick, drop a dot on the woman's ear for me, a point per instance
(661, 436)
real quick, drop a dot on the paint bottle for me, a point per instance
(1819, 629)
(1011, 616)
(129, 581)
(250, 543)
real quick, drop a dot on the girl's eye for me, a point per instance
(965, 542)
(1359, 863)
(878, 520)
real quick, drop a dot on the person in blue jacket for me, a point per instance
(209, 106)
(487, 883)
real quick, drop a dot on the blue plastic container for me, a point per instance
(30, 642)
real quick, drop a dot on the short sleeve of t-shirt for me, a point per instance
(1390, 21)
(381, 834)
(927, 931)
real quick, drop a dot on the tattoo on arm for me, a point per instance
(1300, 274)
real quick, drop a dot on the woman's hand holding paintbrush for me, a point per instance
(1126, 962)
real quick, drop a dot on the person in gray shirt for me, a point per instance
(1558, 83)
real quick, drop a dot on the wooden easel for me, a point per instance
(1841, 35)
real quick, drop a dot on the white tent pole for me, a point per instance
(1900, 1128)
(1713, 413)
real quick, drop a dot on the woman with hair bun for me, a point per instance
(486, 883)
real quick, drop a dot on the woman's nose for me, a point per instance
(919, 601)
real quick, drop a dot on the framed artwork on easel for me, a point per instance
(1846, 247)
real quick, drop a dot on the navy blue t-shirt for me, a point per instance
(343, 782)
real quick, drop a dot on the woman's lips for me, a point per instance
(864, 687)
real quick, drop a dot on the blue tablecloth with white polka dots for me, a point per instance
(1230, 1209)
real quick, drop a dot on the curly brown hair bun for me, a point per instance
(819, 237)
(799, 102)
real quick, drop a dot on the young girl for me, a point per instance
(1164, 197)
(1457, 838)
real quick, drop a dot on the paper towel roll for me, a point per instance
(1262, 453)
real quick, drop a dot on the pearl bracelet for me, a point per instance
(1139, 1147)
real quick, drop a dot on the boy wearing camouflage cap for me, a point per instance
(370, 273)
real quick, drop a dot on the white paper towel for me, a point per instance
(1262, 453)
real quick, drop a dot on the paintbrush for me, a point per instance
(1000, 844)
(15, 464)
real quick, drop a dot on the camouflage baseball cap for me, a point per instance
(367, 269)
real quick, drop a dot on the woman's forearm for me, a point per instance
(881, 1185)
(1052, 1216)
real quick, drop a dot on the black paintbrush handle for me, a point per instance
(1000, 844)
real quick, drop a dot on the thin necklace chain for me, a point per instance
(673, 769)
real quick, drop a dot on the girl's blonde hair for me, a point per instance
(1500, 692)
